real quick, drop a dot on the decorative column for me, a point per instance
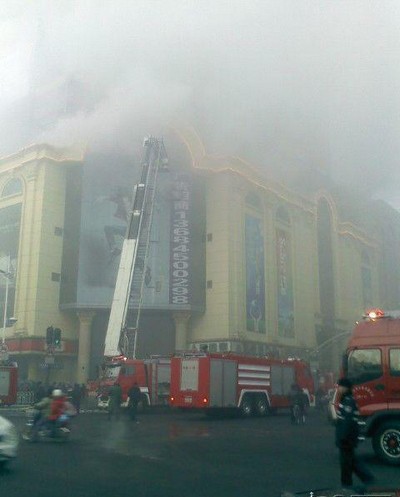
(85, 324)
(181, 320)
(28, 255)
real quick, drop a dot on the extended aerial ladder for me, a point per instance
(123, 326)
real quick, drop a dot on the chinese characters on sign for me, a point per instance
(180, 277)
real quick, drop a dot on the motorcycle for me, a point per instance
(37, 431)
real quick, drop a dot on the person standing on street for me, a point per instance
(298, 400)
(347, 432)
(114, 402)
(76, 396)
(134, 395)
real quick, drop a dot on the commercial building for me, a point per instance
(273, 269)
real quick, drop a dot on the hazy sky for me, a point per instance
(281, 82)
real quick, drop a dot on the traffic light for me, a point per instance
(57, 337)
(50, 335)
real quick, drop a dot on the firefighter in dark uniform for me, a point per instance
(135, 396)
(347, 433)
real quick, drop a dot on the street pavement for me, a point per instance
(173, 454)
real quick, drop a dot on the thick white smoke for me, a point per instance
(284, 84)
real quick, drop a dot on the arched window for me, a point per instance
(13, 187)
(253, 200)
(282, 215)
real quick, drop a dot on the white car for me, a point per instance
(9, 441)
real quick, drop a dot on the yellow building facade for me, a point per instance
(33, 183)
(287, 271)
(289, 222)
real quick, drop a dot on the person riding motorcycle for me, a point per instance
(43, 408)
(57, 408)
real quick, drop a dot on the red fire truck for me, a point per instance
(8, 384)
(372, 363)
(255, 385)
(152, 376)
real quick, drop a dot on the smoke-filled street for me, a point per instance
(173, 454)
(200, 209)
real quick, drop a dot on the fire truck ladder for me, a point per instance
(128, 293)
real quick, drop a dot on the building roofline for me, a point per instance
(38, 151)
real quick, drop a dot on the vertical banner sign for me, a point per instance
(180, 273)
(10, 223)
(255, 277)
(285, 285)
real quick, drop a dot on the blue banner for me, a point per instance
(255, 275)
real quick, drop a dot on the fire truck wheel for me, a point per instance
(386, 442)
(246, 407)
(262, 406)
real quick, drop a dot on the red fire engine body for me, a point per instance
(254, 385)
(8, 384)
(151, 375)
(372, 363)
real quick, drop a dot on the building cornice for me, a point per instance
(39, 152)
(214, 163)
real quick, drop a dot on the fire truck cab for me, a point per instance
(152, 376)
(255, 385)
(8, 384)
(372, 363)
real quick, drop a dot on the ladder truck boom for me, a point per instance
(121, 335)
(118, 307)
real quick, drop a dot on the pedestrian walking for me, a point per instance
(298, 404)
(114, 401)
(76, 397)
(347, 433)
(40, 392)
(134, 395)
(84, 394)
